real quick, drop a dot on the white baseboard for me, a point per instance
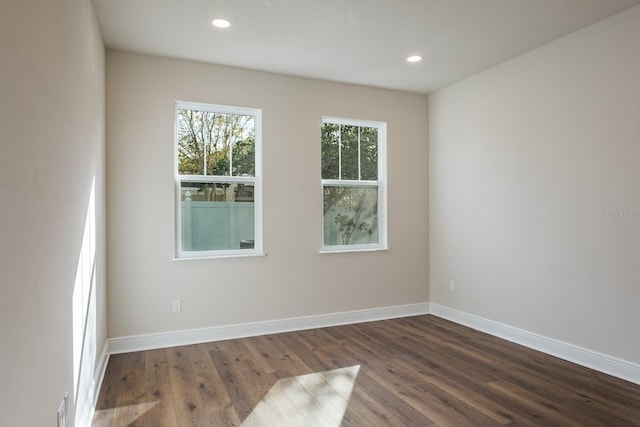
(619, 368)
(217, 333)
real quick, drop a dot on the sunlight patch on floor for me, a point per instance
(125, 414)
(318, 399)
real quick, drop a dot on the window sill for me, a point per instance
(351, 250)
(222, 256)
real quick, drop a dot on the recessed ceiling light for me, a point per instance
(414, 58)
(221, 23)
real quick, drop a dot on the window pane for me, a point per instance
(368, 154)
(350, 215)
(190, 146)
(216, 216)
(243, 155)
(206, 141)
(330, 151)
(349, 152)
(217, 142)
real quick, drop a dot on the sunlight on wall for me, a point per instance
(84, 315)
(314, 399)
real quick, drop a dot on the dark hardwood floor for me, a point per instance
(415, 371)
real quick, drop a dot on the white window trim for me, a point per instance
(381, 183)
(257, 250)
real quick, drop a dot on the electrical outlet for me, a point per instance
(177, 306)
(452, 286)
(62, 411)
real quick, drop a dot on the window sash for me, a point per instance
(351, 216)
(349, 183)
(217, 178)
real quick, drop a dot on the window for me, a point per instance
(353, 185)
(217, 181)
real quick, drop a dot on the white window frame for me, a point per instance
(380, 183)
(256, 180)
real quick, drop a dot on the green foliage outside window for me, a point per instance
(215, 144)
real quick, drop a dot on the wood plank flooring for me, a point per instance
(415, 371)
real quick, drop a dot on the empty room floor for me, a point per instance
(414, 371)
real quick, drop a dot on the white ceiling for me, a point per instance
(354, 41)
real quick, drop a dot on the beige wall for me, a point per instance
(293, 279)
(52, 144)
(528, 162)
